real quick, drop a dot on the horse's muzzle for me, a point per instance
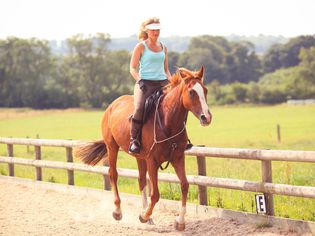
(205, 119)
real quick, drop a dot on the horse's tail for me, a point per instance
(92, 152)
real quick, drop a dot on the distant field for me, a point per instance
(232, 126)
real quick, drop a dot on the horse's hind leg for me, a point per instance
(112, 149)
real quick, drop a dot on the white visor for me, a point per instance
(153, 26)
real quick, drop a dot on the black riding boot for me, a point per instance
(135, 136)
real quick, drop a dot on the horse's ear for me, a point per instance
(201, 72)
(181, 74)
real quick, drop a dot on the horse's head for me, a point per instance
(194, 94)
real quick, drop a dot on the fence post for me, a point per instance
(10, 154)
(201, 162)
(27, 146)
(278, 133)
(107, 185)
(266, 169)
(70, 172)
(38, 156)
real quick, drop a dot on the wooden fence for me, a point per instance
(201, 180)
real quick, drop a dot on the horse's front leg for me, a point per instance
(155, 195)
(142, 180)
(142, 167)
(179, 166)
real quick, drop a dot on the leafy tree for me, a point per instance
(196, 57)
(208, 51)
(307, 73)
(62, 89)
(25, 66)
(271, 61)
(293, 47)
(289, 83)
(173, 58)
(214, 92)
(118, 80)
(242, 64)
(286, 55)
(253, 92)
(102, 75)
(216, 45)
(224, 61)
(240, 91)
(272, 96)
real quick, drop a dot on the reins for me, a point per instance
(155, 141)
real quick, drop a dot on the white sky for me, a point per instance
(61, 19)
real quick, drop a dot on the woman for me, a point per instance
(151, 57)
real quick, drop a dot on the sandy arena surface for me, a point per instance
(28, 210)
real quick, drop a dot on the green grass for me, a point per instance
(232, 126)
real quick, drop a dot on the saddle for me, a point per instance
(150, 104)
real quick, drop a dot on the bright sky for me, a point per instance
(61, 19)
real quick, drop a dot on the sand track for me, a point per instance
(28, 210)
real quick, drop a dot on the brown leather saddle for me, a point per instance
(150, 104)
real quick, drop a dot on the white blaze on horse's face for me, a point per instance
(205, 116)
(199, 90)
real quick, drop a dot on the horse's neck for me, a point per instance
(173, 111)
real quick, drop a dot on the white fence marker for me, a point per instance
(260, 203)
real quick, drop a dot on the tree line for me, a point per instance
(92, 76)
(285, 71)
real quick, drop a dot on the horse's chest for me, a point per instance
(170, 150)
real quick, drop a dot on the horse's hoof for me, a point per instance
(150, 222)
(117, 216)
(142, 220)
(179, 226)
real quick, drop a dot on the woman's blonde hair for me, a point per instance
(142, 33)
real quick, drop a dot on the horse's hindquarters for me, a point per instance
(116, 122)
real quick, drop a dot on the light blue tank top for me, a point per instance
(152, 64)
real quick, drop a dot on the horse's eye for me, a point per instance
(191, 93)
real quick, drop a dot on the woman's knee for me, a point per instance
(138, 113)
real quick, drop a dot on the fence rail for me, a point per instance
(265, 156)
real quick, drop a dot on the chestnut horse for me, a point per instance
(164, 138)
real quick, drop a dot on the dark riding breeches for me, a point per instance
(142, 90)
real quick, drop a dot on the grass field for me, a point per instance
(232, 126)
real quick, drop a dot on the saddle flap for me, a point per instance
(150, 103)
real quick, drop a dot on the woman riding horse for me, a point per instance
(151, 57)
(164, 138)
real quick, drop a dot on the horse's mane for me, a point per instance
(182, 74)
